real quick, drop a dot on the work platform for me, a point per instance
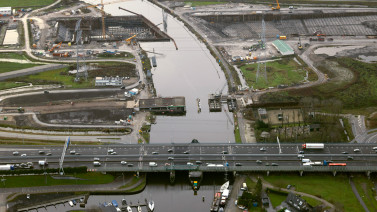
(164, 105)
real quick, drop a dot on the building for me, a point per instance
(262, 112)
(298, 203)
(282, 47)
(108, 81)
(164, 105)
(4, 11)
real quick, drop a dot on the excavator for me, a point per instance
(56, 46)
(277, 6)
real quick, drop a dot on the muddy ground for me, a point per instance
(89, 116)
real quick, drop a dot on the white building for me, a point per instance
(5, 11)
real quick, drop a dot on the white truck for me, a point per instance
(313, 146)
(42, 163)
(6, 167)
(96, 163)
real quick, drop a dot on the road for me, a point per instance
(244, 154)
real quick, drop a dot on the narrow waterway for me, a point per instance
(191, 72)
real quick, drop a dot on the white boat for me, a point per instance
(224, 186)
(151, 205)
(129, 209)
(139, 209)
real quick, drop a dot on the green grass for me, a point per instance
(40, 180)
(276, 198)
(237, 134)
(324, 186)
(204, 3)
(7, 85)
(311, 201)
(7, 66)
(364, 188)
(13, 55)
(281, 72)
(25, 3)
(358, 93)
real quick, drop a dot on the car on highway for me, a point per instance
(130, 165)
(301, 152)
(167, 164)
(238, 164)
(344, 152)
(23, 155)
(224, 152)
(262, 149)
(113, 153)
(267, 164)
(16, 153)
(198, 162)
(259, 161)
(110, 150)
(349, 158)
(356, 150)
(49, 154)
(170, 158)
(300, 156)
(41, 152)
(190, 164)
(186, 152)
(274, 164)
(170, 150)
(152, 164)
(123, 162)
(77, 153)
(72, 152)
(154, 153)
(95, 159)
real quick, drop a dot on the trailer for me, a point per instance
(313, 146)
(6, 167)
(42, 163)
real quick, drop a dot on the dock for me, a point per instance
(63, 201)
(214, 103)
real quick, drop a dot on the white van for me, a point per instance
(152, 164)
(306, 160)
(244, 187)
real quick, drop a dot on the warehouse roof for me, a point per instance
(283, 47)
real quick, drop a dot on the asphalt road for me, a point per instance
(207, 153)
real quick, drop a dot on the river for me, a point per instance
(190, 71)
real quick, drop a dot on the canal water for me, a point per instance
(190, 71)
(167, 197)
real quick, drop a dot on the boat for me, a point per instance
(216, 202)
(221, 210)
(70, 203)
(224, 186)
(129, 208)
(124, 202)
(151, 205)
(115, 203)
(139, 209)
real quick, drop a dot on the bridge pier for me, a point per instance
(172, 176)
(268, 173)
(334, 173)
(301, 172)
(234, 173)
(368, 175)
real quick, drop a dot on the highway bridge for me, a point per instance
(201, 157)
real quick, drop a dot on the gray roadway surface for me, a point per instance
(246, 154)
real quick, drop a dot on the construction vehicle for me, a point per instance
(56, 46)
(299, 44)
(283, 37)
(277, 6)
(128, 40)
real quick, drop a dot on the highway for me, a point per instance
(244, 154)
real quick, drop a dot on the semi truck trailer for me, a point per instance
(313, 146)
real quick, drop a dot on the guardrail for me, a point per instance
(241, 169)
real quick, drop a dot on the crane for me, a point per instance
(277, 6)
(56, 46)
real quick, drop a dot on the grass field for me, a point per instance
(25, 3)
(13, 55)
(7, 66)
(276, 198)
(364, 188)
(40, 180)
(280, 72)
(7, 85)
(323, 186)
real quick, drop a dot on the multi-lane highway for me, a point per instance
(200, 155)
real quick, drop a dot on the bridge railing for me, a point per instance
(241, 168)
